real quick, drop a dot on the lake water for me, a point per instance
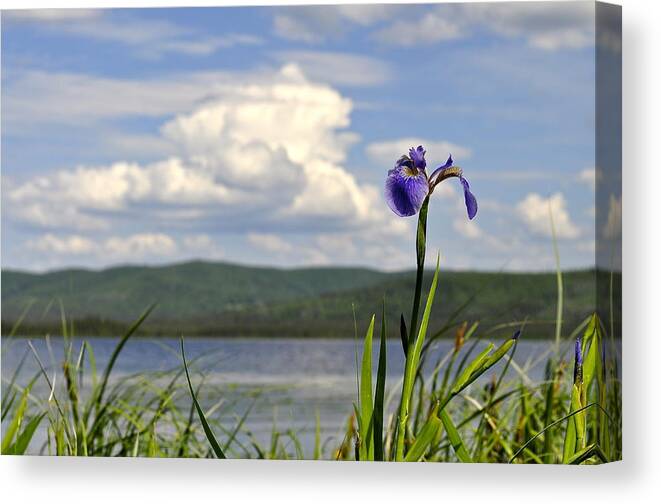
(295, 377)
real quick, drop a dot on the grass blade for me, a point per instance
(411, 368)
(16, 421)
(366, 402)
(424, 439)
(455, 438)
(111, 363)
(379, 393)
(23, 440)
(586, 453)
(218, 451)
(549, 426)
(317, 438)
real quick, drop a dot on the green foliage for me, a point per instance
(379, 393)
(230, 300)
(452, 407)
(218, 451)
(455, 439)
(366, 404)
(411, 369)
(160, 414)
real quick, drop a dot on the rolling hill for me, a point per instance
(233, 300)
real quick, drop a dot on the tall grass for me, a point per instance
(473, 403)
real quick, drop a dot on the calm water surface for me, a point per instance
(294, 378)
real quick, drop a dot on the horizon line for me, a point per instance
(102, 269)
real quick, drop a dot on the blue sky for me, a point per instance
(263, 135)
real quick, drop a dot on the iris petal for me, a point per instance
(405, 191)
(418, 157)
(471, 202)
(438, 171)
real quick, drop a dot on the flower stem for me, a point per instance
(420, 247)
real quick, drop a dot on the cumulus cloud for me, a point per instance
(387, 152)
(536, 211)
(262, 153)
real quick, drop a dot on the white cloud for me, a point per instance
(588, 176)
(387, 152)
(341, 69)
(535, 211)
(148, 38)
(269, 242)
(140, 246)
(546, 26)
(130, 247)
(467, 228)
(69, 245)
(200, 246)
(292, 29)
(53, 15)
(34, 98)
(375, 246)
(431, 28)
(314, 24)
(264, 153)
(367, 15)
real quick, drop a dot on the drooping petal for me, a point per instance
(471, 202)
(406, 190)
(418, 157)
(438, 171)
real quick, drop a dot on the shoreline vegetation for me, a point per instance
(462, 411)
(228, 300)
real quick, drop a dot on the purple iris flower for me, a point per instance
(407, 184)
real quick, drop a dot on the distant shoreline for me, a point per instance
(267, 267)
(231, 301)
(539, 330)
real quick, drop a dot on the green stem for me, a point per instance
(420, 247)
